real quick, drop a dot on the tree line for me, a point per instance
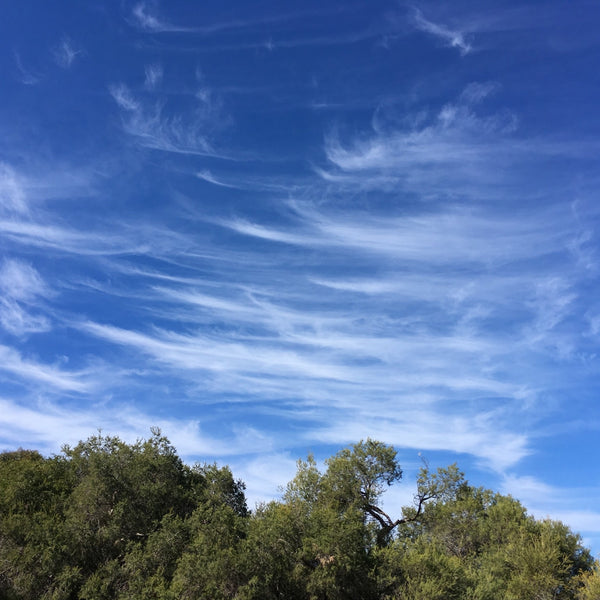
(110, 520)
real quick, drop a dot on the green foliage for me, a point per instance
(424, 571)
(502, 552)
(148, 568)
(111, 520)
(271, 553)
(318, 542)
(590, 584)
(210, 566)
(361, 473)
(105, 519)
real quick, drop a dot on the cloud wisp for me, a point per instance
(12, 195)
(145, 16)
(21, 287)
(456, 148)
(66, 53)
(151, 126)
(24, 369)
(27, 76)
(452, 38)
(154, 75)
(50, 425)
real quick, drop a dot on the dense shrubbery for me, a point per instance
(109, 520)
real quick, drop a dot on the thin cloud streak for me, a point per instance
(28, 370)
(148, 20)
(315, 341)
(434, 431)
(455, 39)
(461, 236)
(18, 321)
(146, 17)
(204, 353)
(63, 240)
(52, 426)
(27, 76)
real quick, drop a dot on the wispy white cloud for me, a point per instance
(124, 98)
(20, 281)
(30, 371)
(522, 28)
(145, 16)
(21, 285)
(274, 234)
(154, 75)
(70, 240)
(27, 76)
(16, 320)
(455, 150)
(553, 302)
(13, 198)
(443, 237)
(348, 365)
(527, 488)
(150, 125)
(453, 38)
(207, 176)
(276, 185)
(66, 53)
(209, 353)
(265, 475)
(49, 426)
(478, 435)
(461, 153)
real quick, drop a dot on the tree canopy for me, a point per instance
(106, 519)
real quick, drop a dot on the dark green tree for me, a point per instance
(482, 545)
(34, 492)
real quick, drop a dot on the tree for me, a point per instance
(121, 493)
(502, 552)
(317, 543)
(105, 519)
(359, 475)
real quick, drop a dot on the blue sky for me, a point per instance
(277, 228)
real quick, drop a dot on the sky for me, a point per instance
(274, 229)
